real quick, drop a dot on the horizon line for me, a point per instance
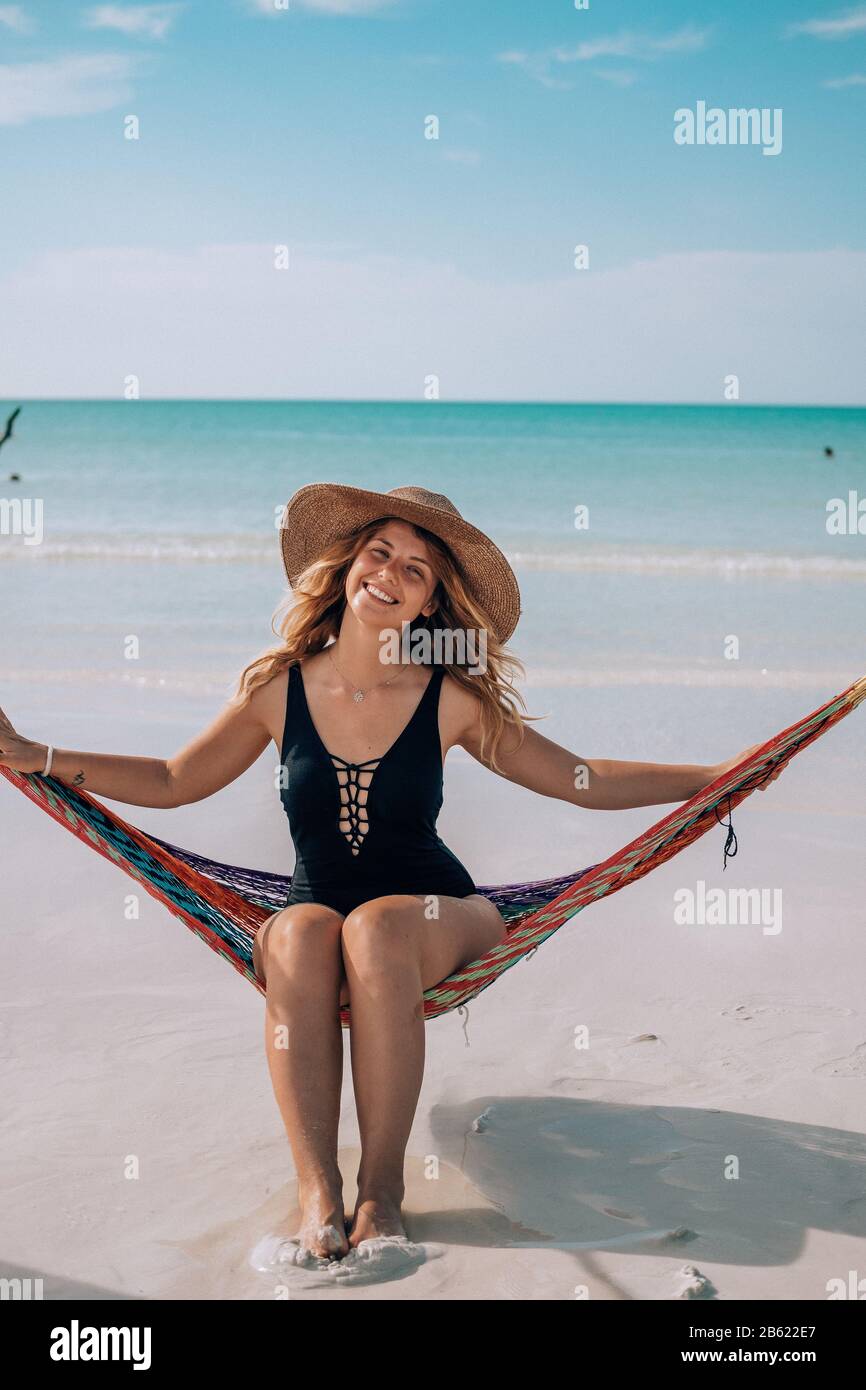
(411, 400)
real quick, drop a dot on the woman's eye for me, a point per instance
(383, 554)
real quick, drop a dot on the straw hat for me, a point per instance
(324, 512)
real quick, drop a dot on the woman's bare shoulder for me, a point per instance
(268, 703)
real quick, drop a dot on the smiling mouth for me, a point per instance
(379, 595)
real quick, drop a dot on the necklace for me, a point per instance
(359, 694)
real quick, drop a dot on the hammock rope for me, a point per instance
(225, 904)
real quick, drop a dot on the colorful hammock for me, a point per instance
(225, 905)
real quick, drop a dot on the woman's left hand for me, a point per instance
(721, 768)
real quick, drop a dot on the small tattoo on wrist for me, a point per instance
(78, 779)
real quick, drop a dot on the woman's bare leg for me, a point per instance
(392, 952)
(298, 954)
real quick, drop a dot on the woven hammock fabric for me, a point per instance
(225, 905)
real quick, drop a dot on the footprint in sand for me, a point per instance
(853, 1064)
(761, 1006)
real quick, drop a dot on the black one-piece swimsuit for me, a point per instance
(366, 830)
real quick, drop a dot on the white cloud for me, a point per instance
(615, 46)
(75, 85)
(627, 44)
(852, 22)
(536, 65)
(686, 40)
(346, 7)
(220, 321)
(631, 45)
(857, 79)
(14, 17)
(146, 21)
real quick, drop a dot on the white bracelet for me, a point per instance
(48, 761)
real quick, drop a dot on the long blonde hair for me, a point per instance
(310, 614)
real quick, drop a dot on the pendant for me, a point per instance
(358, 696)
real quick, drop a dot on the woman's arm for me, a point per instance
(230, 745)
(598, 784)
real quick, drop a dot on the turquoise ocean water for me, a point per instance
(159, 519)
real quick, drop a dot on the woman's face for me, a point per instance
(392, 580)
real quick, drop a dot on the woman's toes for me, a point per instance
(323, 1226)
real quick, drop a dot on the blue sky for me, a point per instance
(409, 257)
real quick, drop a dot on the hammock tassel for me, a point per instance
(731, 837)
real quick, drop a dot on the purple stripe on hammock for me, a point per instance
(272, 889)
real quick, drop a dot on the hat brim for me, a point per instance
(321, 513)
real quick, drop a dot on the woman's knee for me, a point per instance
(296, 934)
(380, 932)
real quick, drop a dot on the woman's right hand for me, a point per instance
(721, 768)
(19, 753)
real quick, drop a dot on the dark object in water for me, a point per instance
(15, 477)
(828, 451)
(7, 433)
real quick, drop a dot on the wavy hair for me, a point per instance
(309, 616)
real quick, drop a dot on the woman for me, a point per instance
(379, 908)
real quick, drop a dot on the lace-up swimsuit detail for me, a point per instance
(366, 830)
(353, 816)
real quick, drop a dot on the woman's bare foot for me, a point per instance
(377, 1213)
(323, 1229)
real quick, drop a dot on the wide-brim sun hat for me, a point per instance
(321, 513)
